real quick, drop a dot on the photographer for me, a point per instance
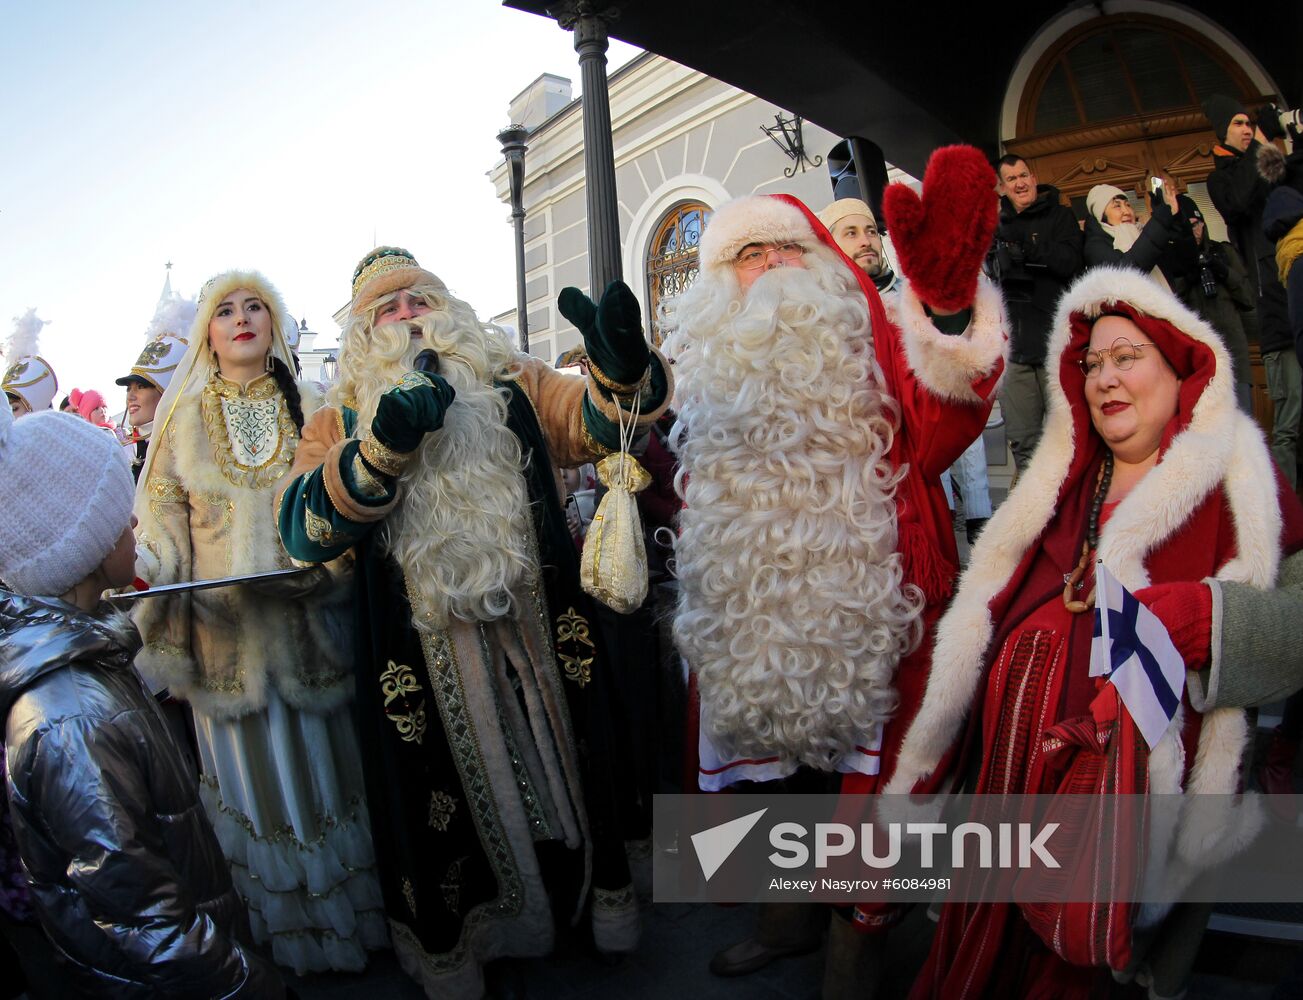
(1217, 287)
(1239, 193)
(1037, 253)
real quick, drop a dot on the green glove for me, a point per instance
(411, 409)
(612, 331)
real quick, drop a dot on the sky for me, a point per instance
(285, 136)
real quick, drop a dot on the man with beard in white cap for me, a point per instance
(855, 231)
(816, 549)
(480, 681)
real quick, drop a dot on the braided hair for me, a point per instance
(290, 390)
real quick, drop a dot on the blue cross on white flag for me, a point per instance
(1133, 650)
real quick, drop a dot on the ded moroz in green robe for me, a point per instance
(487, 750)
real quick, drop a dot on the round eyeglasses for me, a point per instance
(755, 257)
(1123, 354)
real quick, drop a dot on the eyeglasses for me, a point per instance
(1123, 354)
(757, 257)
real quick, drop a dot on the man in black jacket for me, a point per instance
(1240, 194)
(1037, 254)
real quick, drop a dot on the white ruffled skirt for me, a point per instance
(283, 789)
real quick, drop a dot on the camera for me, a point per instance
(1207, 280)
(1005, 261)
(1276, 123)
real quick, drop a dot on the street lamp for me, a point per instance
(330, 369)
(513, 149)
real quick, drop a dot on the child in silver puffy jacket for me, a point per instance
(126, 875)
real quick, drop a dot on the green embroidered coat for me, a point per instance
(487, 751)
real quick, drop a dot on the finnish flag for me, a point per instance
(1133, 650)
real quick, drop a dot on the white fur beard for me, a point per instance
(459, 531)
(792, 611)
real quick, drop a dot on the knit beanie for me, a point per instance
(843, 207)
(1220, 109)
(66, 489)
(1099, 197)
(89, 402)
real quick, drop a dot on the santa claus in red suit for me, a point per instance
(816, 548)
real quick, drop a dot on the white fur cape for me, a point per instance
(297, 644)
(1221, 445)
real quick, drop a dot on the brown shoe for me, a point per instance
(750, 956)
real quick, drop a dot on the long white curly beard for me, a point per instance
(459, 531)
(792, 611)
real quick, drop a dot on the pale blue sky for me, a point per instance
(278, 136)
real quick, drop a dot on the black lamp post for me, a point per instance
(513, 149)
(330, 369)
(588, 20)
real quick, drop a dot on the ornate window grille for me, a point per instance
(672, 257)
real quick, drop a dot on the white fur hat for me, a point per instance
(751, 219)
(67, 491)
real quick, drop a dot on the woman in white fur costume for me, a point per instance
(264, 667)
(1147, 466)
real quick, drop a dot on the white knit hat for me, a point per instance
(66, 491)
(1099, 196)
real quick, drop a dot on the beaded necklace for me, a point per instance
(1075, 580)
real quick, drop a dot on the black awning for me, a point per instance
(908, 75)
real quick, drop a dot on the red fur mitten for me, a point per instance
(942, 238)
(1186, 611)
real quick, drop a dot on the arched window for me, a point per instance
(1125, 66)
(672, 257)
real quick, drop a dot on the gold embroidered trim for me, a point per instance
(367, 484)
(409, 894)
(578, 670)
(619, 388)
(320, 531)
(280, 454)
(399, 681)
(164, 490)
(285, 834)
(450, 697)
(442, 806)
(410, 380)
(573, 627)
(591, 444)
(388, 461)
(263, 387)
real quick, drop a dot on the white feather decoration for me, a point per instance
(24, 342)
(173, 317)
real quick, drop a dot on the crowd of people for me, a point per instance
(395, 715)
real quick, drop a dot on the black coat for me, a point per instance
(1239, 193)
(1166, 242)
(1049, 240)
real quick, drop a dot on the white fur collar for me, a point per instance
(1220, 445)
